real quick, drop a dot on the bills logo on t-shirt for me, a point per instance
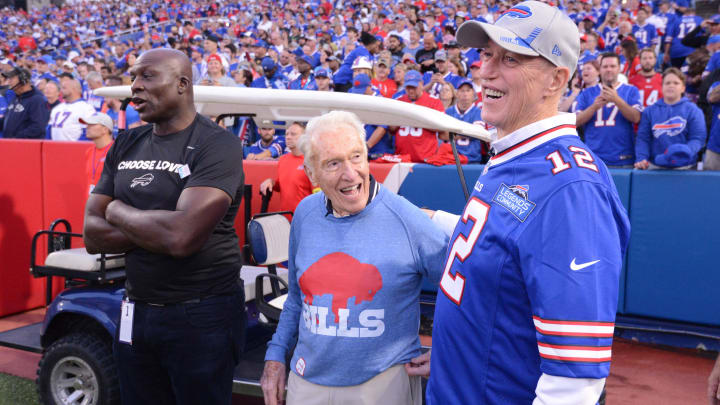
(300, 366)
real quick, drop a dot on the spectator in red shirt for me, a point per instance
(290, 180)
(99, 131)
(647, 79)
(419, 143)
(381, 81)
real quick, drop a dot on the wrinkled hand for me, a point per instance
(250, 156)
(714, 384)
(265, 186)
(419, 365)
(272, 382)
(642, 165)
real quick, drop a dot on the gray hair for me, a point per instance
(95, 77)
(326, 123)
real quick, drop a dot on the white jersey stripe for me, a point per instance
(574, 328)
(575, 353)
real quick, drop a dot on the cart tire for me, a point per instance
(78, 369)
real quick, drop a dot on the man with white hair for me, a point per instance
(64, 119)
(527, 301)
(353, 296)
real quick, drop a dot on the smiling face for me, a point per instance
(341, 169)
(590, 75)
(513, 88)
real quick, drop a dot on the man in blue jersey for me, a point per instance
(369, 47)
(527, 301)
(305, 81)
(272, 79)
(607, 112)
(269, 146)
(466, 110)
(675, 51)
(353, 290)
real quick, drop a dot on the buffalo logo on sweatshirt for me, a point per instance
(673, 126)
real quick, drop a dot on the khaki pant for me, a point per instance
(392, 386)
(712, 160)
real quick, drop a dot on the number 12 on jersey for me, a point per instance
(453, 286)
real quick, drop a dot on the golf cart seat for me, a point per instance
(79, 259)
(76, 265)
(269, 237)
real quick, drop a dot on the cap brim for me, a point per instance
(358, 90)
(476, 34)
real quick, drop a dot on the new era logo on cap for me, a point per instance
(529, 28)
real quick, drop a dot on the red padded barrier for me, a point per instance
(65, 188)
(21, 215)
(65, 185)
(52, 184)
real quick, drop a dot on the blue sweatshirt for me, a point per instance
(354, 288)
(344, 74)
(26, 116)
(662, 125)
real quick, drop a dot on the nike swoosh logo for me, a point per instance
(576, 267)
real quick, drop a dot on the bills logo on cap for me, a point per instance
(517, 12)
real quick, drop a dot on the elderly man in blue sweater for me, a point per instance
(358, 253)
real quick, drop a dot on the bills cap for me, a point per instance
(529, 28)
(676, 155)
(321, 72)
(360, 83)
(412, 78)
(98, 118)
(362, 63)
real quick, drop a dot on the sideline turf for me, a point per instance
(17, 391)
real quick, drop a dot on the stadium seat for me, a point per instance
(269, 237)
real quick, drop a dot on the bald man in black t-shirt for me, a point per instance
(168, 197)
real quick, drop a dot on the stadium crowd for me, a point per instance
(645, 92)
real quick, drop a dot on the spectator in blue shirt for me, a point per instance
(306, 80)
(268, 146)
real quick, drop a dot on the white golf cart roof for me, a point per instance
(301, 105)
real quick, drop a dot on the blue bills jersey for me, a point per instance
(530, 285)
(609, 134)
(677, 31)
(469, 147)
(645, 35)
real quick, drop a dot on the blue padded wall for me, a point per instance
(623, 182)
(673, 272)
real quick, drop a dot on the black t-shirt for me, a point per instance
(149, 172)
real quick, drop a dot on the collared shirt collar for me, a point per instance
(374, 188)
(532, 136)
